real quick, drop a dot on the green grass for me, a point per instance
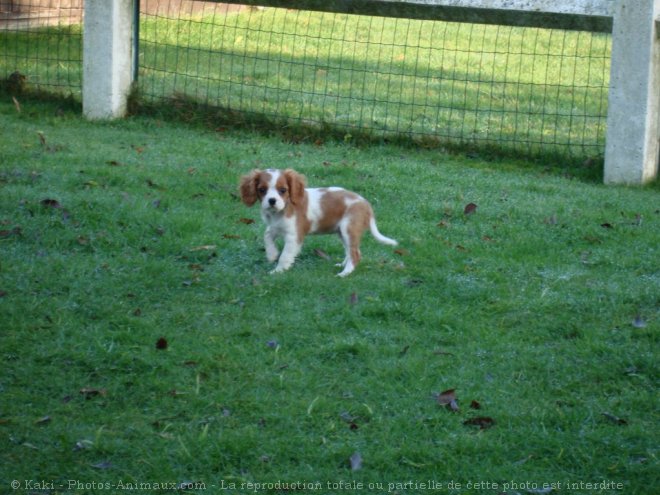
(542, 306)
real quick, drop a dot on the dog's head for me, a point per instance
(274, 189)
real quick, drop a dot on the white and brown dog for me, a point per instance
(292, 211)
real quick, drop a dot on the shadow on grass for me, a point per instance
(185, 110)
(181, 108)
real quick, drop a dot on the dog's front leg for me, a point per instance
(271, 248)
(289, 253)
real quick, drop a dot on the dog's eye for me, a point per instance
(262, 190)
(282, 190)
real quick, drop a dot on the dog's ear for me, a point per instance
(248, 187)
(296, 184)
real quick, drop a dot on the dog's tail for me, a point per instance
(378, 236)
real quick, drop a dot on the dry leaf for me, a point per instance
(43, 421)
(88, 393)
(356, 461)
(208, 247)
(322, 254)
(615, 419)
(51, 203)
(482, 422)
(161, 344)
(448, 399)
(470, 208)
(639, 322)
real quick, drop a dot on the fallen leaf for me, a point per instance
(322, 254)
(551, 220)
(607, 225)
(470, 208)
(448, 399)
(161, 344)
(43, 421)
(353, 300)
(482, 422)
(475, 405)
(51, 203)
(17, 105)
(639, 322)
(82, 445)
(42, 138)
(8, 233)
(356, 461)
(402, 252)
(615, 419)
(207, 247)
(246, 221)
(88, 393)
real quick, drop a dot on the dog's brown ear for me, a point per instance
(296, 184)
(248, 187)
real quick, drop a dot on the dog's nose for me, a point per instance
(272, 201)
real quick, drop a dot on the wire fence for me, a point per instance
(41, 46)
(525, 90)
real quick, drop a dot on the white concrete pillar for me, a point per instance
(107, 57)
(633, 128)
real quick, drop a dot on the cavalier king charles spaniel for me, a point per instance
(292, 211)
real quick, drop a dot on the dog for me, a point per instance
(292, 211)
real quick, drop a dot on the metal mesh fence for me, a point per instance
(41, 45)
(527, 90)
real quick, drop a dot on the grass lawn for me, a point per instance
(143, 341)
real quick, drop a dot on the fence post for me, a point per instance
(633, 131)
(107, 57)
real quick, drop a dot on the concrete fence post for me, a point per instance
(107, 57)
(633, 128)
